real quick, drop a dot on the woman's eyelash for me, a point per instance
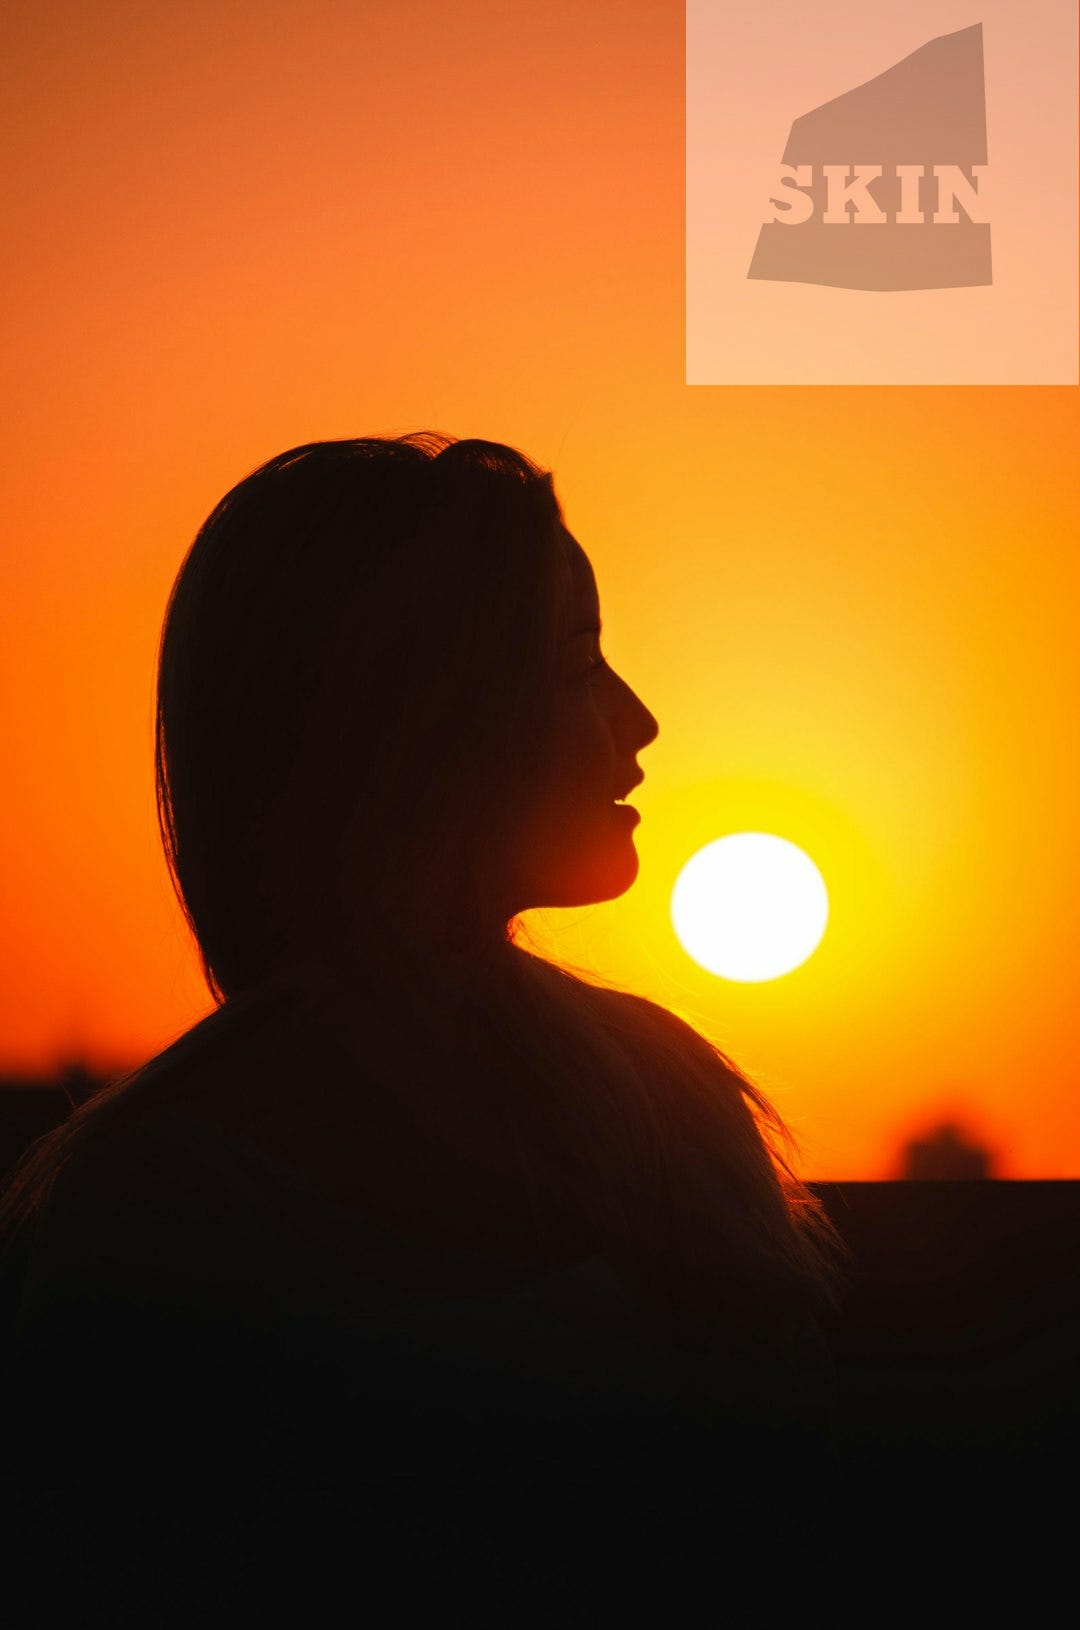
(600, 662)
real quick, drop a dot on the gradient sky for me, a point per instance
(853, 610)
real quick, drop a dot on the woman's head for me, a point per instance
(382, 725)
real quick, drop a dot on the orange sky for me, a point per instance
(853, 610)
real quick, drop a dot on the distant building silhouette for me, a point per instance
(945, 1154)
(78, 1081)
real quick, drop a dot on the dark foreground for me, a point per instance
(958, 1351)
(958, 1434)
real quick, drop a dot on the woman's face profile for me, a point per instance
(576, 843)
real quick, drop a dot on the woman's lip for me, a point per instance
(629, 808)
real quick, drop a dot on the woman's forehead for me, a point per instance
(584, 597)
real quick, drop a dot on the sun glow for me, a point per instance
(750, 906)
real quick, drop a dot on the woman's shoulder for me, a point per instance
(151, 1216)
(162, 1185)
(280, 1150)
(624, 1011)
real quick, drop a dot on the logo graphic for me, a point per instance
(884, 187)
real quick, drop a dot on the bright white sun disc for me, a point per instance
(750, 906)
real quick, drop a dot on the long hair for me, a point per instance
(353, 690)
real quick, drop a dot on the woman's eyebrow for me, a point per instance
(590, 628)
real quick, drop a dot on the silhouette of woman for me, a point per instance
(421, 1272)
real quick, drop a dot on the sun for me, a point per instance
(750, 906)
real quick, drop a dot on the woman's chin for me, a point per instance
(610, 874)
(601, 868)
